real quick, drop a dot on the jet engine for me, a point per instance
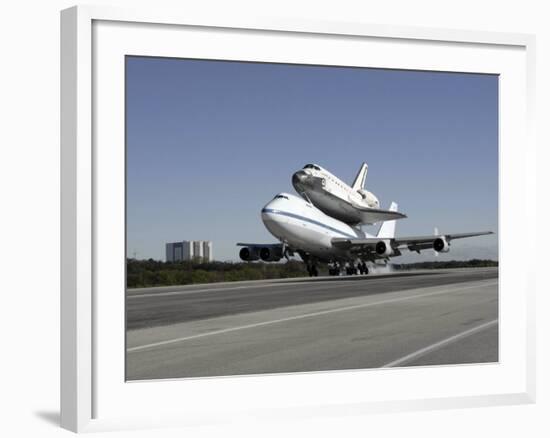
(271, 254)
(248, 254)
(383, 248)
(441, 245)
(370, 199)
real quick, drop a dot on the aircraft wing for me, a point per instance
(261, 245)
(412, 243)
(422, 242)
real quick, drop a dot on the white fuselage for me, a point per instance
(302, 226)
(332, 195)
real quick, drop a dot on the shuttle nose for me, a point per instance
(299, 177)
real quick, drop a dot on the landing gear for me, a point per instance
(363, 269)
(312, 270)
(351, 269)
(348, 268)
(334, 269)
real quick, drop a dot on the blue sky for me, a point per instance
(210, 142)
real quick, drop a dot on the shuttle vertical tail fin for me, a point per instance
(359, 182)
(387, 229)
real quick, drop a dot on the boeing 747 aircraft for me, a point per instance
(317, 238)
(350, 204)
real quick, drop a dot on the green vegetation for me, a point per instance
(146, 273)
(450, 264)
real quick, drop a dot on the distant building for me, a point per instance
(189, 250)
(197, 248)
(207, 250)
(172, 253)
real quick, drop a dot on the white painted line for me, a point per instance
(252, 286)
(306, 315)
(217, 289)
(440, 344)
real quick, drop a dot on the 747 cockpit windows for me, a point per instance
(281, 197)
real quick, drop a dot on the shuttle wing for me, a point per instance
(373, 215)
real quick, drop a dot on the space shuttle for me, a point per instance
(353, 204)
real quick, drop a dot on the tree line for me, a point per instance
(147, 273)
(144, 273)
(447, 264)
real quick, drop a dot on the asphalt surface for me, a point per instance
(429, 318)
(164, 306)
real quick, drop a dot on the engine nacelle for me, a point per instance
(271, 254)
(383, 248)
(369, 197)
(249, 254)
(441, 245)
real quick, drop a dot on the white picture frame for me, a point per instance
(93, 396)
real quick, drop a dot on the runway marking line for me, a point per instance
(303, 316)
(223, 289)
(218, 289)
(444, 342)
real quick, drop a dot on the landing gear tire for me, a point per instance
(312, 271)
(334, 269)
(351, 270)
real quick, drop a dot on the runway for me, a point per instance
(297, 325)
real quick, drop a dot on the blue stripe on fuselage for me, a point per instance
(303, 218)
